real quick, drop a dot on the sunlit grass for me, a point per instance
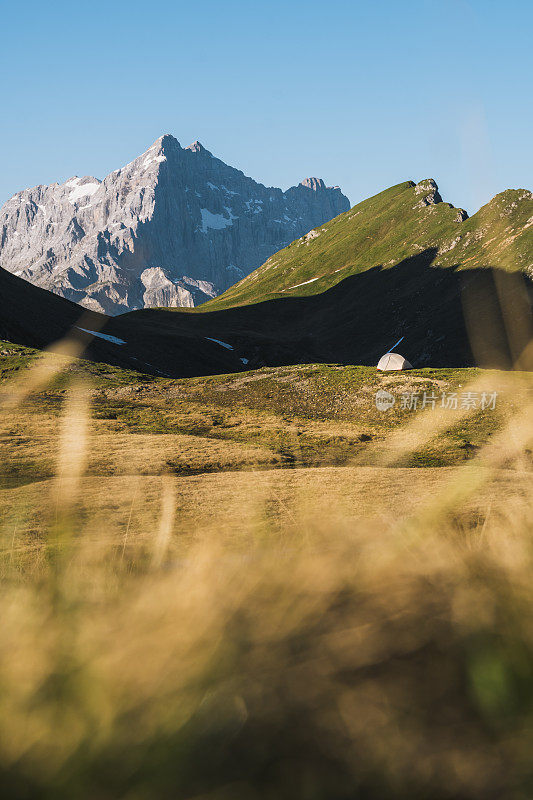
(360, 631)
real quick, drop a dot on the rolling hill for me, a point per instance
(402, 263)
(386, 229)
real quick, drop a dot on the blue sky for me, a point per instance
(362, 94)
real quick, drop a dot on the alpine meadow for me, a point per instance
(266, 454)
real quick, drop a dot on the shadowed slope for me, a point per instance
(34, 317)
(449, 318)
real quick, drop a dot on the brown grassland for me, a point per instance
(260, 586)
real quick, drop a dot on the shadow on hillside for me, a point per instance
(36, 318)
(449, 318)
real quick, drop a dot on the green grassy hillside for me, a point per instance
(388, 228)
(312, 415)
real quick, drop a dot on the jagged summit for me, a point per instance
(167, 140)
(197, 147)
(164, 145)
(76, 181)
(174, 227)
(430, 196)
(316, 184)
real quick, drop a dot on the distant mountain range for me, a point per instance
(402, 263)
(175, 227)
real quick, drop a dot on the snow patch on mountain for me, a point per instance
(214, 221)
(107, 337)
(224, 344)
(311, 280)
(83, 191)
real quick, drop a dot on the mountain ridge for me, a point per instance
(402, 263)
(189, 221)
(387, 228)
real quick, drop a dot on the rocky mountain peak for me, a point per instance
(197, 147)
(168, 139)
(166, 143)
(316, 184)
(173, 227)
(430, 196)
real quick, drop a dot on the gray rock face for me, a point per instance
(431, 199)
(174, 227)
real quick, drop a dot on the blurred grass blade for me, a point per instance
(164, 533)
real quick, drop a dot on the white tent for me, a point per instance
(393, 361)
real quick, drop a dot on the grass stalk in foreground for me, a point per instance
(323, 655)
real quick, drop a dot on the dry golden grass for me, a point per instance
(31, 438)
(228, 502)
(329, 633)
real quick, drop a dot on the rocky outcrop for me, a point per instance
(430, 191)
(174, 227)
